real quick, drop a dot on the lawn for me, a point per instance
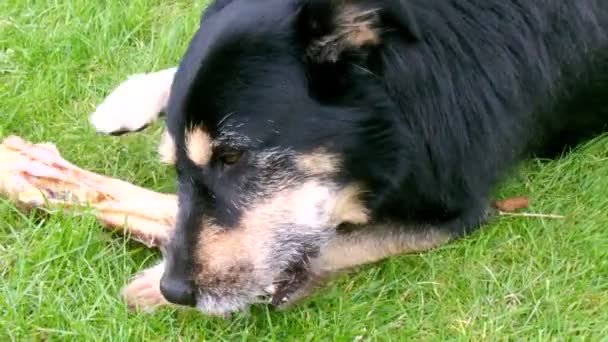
(518, 278)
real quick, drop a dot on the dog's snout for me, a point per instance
(176, 284)
(177, 291)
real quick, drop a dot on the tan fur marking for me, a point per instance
(374, 244)
(198, 146)
(358, 25)
(166, 149)
(251, 242)
(317, 163)
(349, 208)
(355, 28)
(222, 247)
(220, 251)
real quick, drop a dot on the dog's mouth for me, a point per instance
(284, 291)
(289, 284)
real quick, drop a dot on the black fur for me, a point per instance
(430, 120)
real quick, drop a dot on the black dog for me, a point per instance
(310, 136)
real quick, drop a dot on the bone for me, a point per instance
(36, 176)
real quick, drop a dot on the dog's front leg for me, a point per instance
(373, 244)
(135, 103)
(143, 292)
(364, 246)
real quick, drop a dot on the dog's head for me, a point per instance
(280, 125)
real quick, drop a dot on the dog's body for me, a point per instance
(311, 136)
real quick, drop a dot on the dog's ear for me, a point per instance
(331, 28)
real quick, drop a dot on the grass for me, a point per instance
(519, 278)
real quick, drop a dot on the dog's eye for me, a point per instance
(230, 157)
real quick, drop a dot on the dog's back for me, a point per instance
(488, 83)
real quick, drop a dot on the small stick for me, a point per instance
(548, 216)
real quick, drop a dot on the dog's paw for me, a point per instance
(134, 104)
(143, 292)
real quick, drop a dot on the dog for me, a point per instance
(313, 136)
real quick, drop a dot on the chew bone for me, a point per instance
(35, 176)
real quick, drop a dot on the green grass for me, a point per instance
(519, 278)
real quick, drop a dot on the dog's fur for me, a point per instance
(311, 136)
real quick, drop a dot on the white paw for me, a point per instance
(135, 103)
(143, 292)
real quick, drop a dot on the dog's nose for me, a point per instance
(176, 291)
